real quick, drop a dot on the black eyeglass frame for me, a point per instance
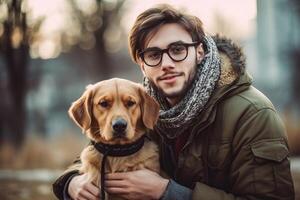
(162, 51)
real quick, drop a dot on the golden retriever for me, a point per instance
(116, 112)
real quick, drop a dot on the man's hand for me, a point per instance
(80, 189)
(141, 184)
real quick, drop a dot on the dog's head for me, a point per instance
(115, 111)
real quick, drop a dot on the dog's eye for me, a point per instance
(104, 104)
(130, 103)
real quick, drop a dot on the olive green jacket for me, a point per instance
(237, 147)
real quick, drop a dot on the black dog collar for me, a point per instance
(118, 150)
(115, 150)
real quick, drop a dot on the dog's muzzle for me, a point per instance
(119, 126)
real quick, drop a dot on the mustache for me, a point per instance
(169, 74)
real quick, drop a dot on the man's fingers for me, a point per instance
(88, 196)
(116, 190)
(81, 198)
(116, 176)
(115, 183)
(93, 189)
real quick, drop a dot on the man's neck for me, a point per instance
(173, 101)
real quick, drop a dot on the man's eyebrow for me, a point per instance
(172, 43)
(177, 42)
(151, 48)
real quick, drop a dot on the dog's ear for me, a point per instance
(80, 110)
(150, 109)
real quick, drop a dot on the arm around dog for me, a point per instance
(145, 184)
(63, 181)
(72, 185)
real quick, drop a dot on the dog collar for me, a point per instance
(115, 150)
(118, 150)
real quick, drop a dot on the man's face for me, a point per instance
(170, 77)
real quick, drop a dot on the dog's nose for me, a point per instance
(119, 125)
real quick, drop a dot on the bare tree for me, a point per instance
(294, 54)
(109, 16)
(15, 43)
(14, 49)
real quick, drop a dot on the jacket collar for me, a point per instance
(233, 80)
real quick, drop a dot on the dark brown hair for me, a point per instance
(151, 19)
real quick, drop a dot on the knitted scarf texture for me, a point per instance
(175, 120)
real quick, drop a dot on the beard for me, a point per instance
(179, 94)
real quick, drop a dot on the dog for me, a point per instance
(116, 113)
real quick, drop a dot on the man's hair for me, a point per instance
(151, 19)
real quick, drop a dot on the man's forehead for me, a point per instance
(167, 34)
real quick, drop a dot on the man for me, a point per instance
(219, 137)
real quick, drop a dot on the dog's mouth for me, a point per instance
(121, 141)
(118, 140)
(119, 135)
(114, 138)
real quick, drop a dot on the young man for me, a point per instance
(219, 137)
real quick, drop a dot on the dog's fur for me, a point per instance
(95, 112)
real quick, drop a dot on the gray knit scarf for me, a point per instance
(175, 120)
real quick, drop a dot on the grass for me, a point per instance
(24, 190)
(37, 152)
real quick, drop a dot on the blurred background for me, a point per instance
(50, 50)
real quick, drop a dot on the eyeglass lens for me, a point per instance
(176, 52)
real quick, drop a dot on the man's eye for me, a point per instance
(130, 103)
(177, 49)
(153, 55)
(104, 104)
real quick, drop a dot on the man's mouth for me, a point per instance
(169, 78)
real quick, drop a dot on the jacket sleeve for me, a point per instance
(260, 167)
(59, 186)
(174, 191)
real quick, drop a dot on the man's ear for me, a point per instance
(150, 109)
(80, 110)
(200, 53)
(141, 65)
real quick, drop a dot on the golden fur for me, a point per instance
(95, 112)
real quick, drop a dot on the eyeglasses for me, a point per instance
(177, 51)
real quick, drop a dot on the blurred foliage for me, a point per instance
(45, 29)
(295, 58)
(53, 27)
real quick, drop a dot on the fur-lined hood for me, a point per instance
(233, 62)
(233, 78)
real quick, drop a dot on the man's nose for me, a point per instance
(167, 62)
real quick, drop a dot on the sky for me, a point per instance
(233, 18)
(238, 16)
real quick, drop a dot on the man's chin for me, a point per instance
(173, 94)
(170, 93)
